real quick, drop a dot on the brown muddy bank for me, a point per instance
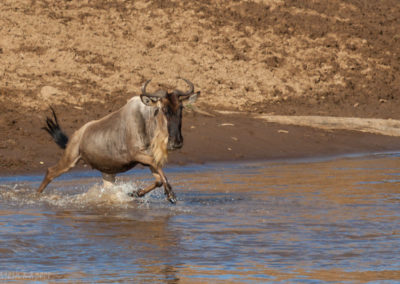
(29, 149)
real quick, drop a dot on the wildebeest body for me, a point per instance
(110, 142)
(140, 132)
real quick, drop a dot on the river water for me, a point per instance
(333, 219)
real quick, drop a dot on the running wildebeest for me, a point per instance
(141, 132)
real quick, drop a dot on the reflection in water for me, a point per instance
(321, 220)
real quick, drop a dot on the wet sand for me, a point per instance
(242, 138)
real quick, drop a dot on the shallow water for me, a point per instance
(334, 219)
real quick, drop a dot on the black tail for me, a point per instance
(54, 129)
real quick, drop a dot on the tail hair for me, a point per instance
(54, 129)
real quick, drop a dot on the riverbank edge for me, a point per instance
(234, 138)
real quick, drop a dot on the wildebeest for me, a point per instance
(141, 132)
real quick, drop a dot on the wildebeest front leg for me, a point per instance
(167, 187)
(161, 179)
(156, 184)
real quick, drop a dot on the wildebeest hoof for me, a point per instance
(134, 194)
(171, 198)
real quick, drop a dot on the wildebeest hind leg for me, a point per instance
(66, 162)
(108, 180)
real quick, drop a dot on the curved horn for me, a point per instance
(157, 94)
(191, 87)
(144, 88)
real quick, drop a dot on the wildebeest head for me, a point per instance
(170, 105)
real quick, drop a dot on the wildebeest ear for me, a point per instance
(191, 99)
(149, 101)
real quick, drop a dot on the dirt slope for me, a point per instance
(333, 57)
(86, 58)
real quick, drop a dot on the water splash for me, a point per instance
(78, 197)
